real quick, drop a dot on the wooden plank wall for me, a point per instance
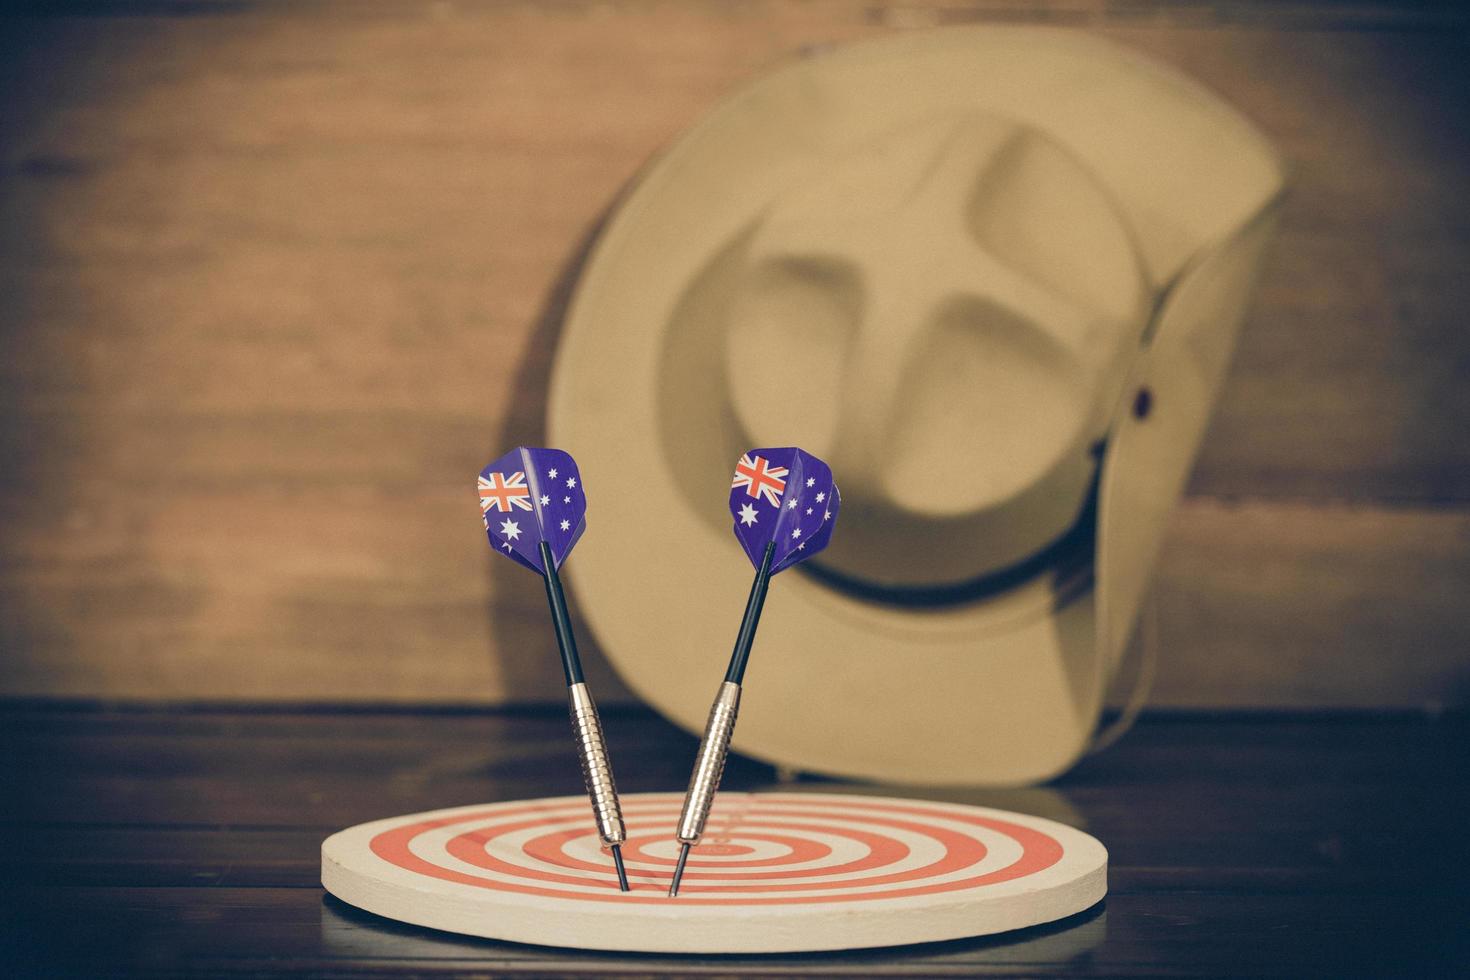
(276, 278)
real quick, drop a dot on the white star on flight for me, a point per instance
(571, 481)
(551, 473)
(808, 510)
(821, 497)
(566, 525)
(510, 529)
(801, 547)
(747, 515)
(792, 504)
(811, 481)
(505, 545)
(545, 500)
(826, 515)
(566, 500)
(796, 532)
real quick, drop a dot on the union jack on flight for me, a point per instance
(760, 479)
(504, 493)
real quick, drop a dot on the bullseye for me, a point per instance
(796, 855)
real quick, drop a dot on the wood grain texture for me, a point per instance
(276, 279)
(1276, 604)
(185, 843)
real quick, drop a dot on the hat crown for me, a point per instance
(952, 307)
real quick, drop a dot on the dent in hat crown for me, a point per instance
(945, 315)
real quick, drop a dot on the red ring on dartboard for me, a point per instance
(802, 849)
(960, 852)
(550, 849)
(1039, 851)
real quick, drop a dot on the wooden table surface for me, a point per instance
(176, 841)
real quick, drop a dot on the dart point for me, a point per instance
(617, 853)
(678, 871)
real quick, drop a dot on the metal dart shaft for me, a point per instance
(597, 775)
(709, 764)
(587, 727)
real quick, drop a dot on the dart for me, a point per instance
(534, 510)
(785, 506)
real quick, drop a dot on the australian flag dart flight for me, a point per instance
(532, 495)
(783, 496)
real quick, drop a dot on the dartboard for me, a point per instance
(774, 872)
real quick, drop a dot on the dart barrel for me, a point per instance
(596, 770)
(710, 765)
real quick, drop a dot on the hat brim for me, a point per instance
(1001, 691)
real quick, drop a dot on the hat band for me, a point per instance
(1068, 554)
